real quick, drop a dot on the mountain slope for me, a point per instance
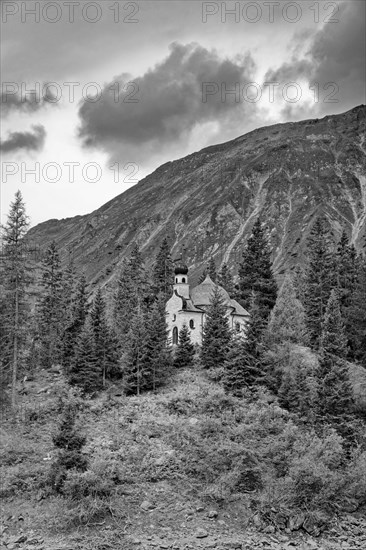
(207, 202)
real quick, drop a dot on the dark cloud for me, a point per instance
(24, 140)
(336, 55)
(13, 100)
(168, 101)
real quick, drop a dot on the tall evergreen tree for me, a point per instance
(85, 371)
(333, 339)
(79, 315)
(104, 343)
(216, 332)
(15, 284)
(225, 279)
(50, 313)
(287, 321)
(133, 351)
(184, 353)
(335, 394)
(357, 313)
(155, 360)
(241, 368)
(320, 278)
(255, 272)
(211, 269)
(163, 271)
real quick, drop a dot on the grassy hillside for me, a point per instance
(187, 467)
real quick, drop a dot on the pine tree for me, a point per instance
(104, 343)
(225, 279)
(185, 350)
(50, 314)
(132, 293)
(255, 272)
(357, 313)
(163, 271)
(211, 269)
(78, 318)
(155, 360)
(241, 368)
(15, 284)
(287, 394)
(133, 351)
(287, 321)
(216, 332)
(335, 394)
(255, 328)
(333, 339)
(320, 278)
(85, 371)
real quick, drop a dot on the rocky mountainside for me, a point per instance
(206, 203)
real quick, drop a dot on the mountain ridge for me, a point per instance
(206, 202)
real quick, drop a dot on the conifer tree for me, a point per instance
(216, 332)
(357, 313)
(255, 328)
(133, 351)
(155, 360)
(163, 271)
(184, 353)
(211, 269)
(225, 279)
(104, 343)
(335, 394)
(334, 340)
(79, 315)
(255, 272)
(320, 278)
(287, 394)
(50, 313)
(85, 371)
(15, 284)
(132, 293)
(241, 368)
(287, 321)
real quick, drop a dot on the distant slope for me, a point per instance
(207, 202)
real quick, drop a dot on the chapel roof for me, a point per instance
(201, 294)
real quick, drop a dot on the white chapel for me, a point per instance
(189, 305)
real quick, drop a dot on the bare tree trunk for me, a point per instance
(15, 349)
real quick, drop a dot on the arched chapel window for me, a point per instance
(237, 327)
(174, 317)
(191, 323)
(183, 280)
(175, 336)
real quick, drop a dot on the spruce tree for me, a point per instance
(133, 352)
(211, 270)
(335, 394)
(357, 313)
(216, 332)
(287, 321)
(255, 272)
(78, 318)
(104, 343)
(85, 371)
(155, 360)
(241, 368)
(225, 279)
(15, 282)
(50, 313)
(163, 271)
(333, 339)
(320, 278)
(184, 353)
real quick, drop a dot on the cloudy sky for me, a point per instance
(96, 95)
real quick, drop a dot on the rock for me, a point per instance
(200, 509)
(193, 421)
(201, 534)
(296, 521)
(212, 514)
(269, 529)
(147, 506)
